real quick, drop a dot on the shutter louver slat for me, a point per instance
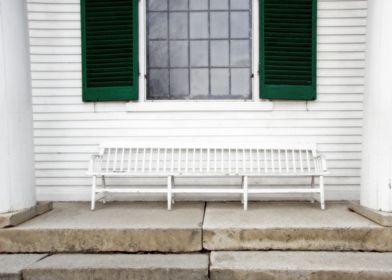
(110, 50)
(288, 49)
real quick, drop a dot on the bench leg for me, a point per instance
(103, 199)
(245, 192)
(242, 186)
(312, 187)
(94, 184)
(322, 196)
(169, 192)
(173, 196)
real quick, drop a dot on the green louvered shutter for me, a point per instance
(288, 30)
(110, 49)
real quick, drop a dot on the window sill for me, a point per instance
(199, 106)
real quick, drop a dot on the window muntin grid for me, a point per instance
(199, 49)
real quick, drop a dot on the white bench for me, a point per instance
(242, 160)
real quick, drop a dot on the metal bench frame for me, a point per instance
(187, 160)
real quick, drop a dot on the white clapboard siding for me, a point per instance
(67, 131)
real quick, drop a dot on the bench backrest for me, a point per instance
(226, 159)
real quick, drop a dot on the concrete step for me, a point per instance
(191, 227)
(11, 266)
(114, 227)
(269, 265)
(291, 226)
(300, 265)
(120, 267)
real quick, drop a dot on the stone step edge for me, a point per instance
(217, 265)
(286, 265)
(120, 266)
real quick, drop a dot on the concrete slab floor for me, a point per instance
(120, 266)
(149, 227)
(125, 227)
(300, 265)
(134, 215)
(291, 226)
(11, 266)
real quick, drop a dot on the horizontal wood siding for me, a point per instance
(67, 131)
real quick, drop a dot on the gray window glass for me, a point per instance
(178, 4)
(199, 49)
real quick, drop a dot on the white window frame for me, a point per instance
(144, 104)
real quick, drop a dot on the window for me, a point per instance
(199, 49)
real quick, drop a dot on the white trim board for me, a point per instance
(194, 105)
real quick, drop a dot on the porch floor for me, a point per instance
(196, 226)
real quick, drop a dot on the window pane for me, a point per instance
(198, 25)
(219, 25)
(178, 26)
(219, 53)
(179, 54)
(198, 4)
(219, 4)
(240, 25)
(240, 4)
(179, 84)
(177, 4)
(199, 53)
(199, 49)
(158, 83)
(157, 25)
(157, 5)
(240, 82)
(158, 54)
(240, 53)
(219, 82)
(199, 83)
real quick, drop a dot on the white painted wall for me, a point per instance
(376, 190)
(16, 146)
(67, 131)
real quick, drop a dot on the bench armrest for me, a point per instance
(323, 161)
(95, 162)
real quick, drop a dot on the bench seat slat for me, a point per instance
(201, 174)
(219, 159)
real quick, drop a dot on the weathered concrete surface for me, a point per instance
(21, 216)
(149, 227)
(119, 266)
(115, 227)
(291, 226)
(300, 265)
(12, 265)
(381, 218)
